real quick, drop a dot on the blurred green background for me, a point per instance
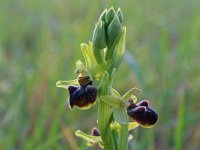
(39, 45)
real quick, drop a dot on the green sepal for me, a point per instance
(65, 84)
(115, 126)
(111, 100)
(87, 51)
(98, 71)
(80, 68)
(131, 125)
(115, 93)
(120, 115)
(88, 138)
(105, 84)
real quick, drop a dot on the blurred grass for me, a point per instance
(39, 44)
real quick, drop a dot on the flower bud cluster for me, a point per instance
(106, 33)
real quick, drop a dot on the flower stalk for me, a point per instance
(95, 76)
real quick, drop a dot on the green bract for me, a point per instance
(94, 82)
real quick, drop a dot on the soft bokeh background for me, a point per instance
(39, 45)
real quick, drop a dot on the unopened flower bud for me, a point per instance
(109, 16)
(142, 113)
(99, 35)
(99, 41)
(120, 15)
(113, 33)
(95, 132)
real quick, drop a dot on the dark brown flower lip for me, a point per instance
(142, 113)
(82, 96)
(143, 103)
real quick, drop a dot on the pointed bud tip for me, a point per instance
(103, 15)
(120, 15)
(109, 15)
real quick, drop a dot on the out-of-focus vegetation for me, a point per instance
(39, 44)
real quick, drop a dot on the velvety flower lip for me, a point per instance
(142, 113)
(82, 96)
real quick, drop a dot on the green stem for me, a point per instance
(104, 114)
(123, 137)
(105, 119)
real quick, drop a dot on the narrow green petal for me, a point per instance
(65, 84)
(115, 126)
(130, 94)
(88, 138)
(115, 93)
(120, 115)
